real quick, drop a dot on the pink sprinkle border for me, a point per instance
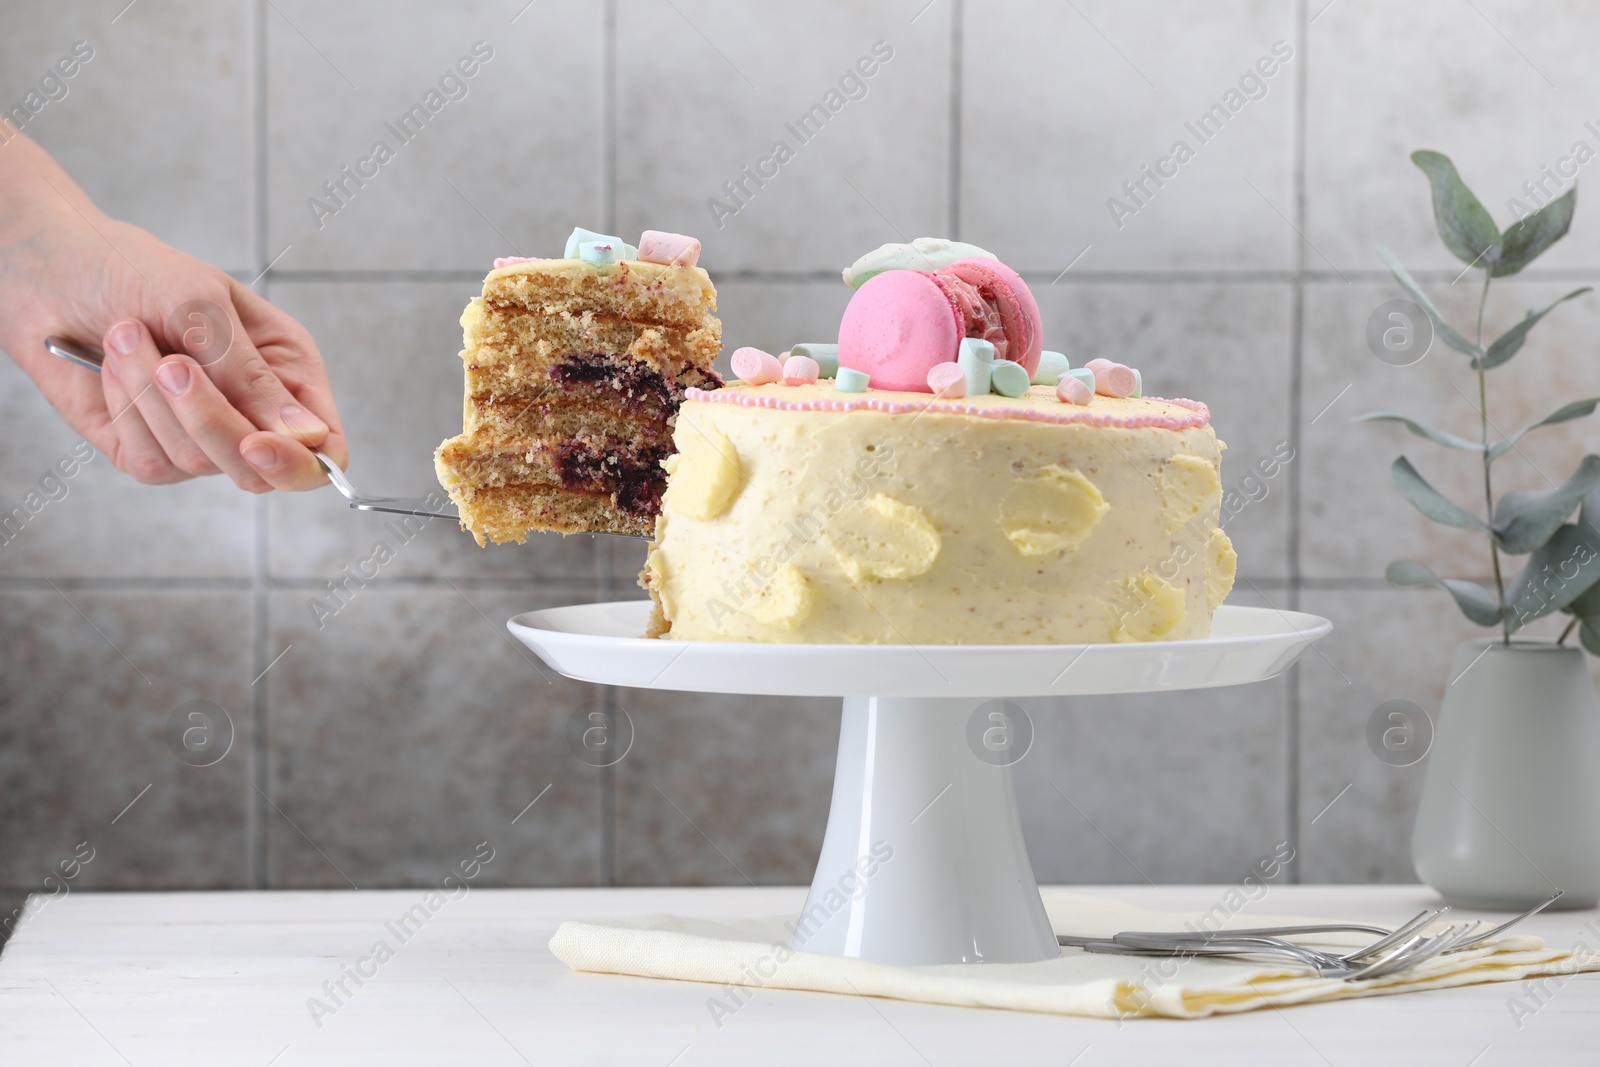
(866, 402)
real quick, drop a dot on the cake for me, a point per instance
(575, 371)
(937, 477)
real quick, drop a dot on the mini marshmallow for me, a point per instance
(1052, 365)
(947, 380)
(800, 370)
(1138, 385)
(1008, 378)
(1084, 375)
(755, 367)
(980, 348)
(669, 249)
(976, 368)
(580, 235)
(851, 381)
(1071, 390)
(1112, 379)
(600, 252)
(827, 356)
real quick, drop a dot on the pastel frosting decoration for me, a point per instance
(784, 601)
(1052, 365)
(883, 539)
(669, 249)
(902, 323)
(1190, 488)
(1156, 608)
(706, 473)
(1054, 511)
(756, 367)
(925, 254)
(827, 356)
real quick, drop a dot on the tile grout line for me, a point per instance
(957, 57)
(256, 799)
(605, 872)
(1292, 730)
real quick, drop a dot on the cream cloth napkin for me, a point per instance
(755, 953)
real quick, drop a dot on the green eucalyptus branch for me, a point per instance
(1562, 572)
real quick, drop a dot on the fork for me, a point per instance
(1409, 953)
(1396, 950)
(92, 358)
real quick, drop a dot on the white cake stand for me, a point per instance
(923, 861)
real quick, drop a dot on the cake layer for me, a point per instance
(801, 514)
(574, 374)
(627, 388)
(508, 513)
(505, 423)
(642, 292)
(520, 337)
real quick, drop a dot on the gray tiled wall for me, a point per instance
(373, 749)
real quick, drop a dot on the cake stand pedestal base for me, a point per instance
(923, 861)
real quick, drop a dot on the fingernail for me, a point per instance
(300, 420)
(124, 337)
(174, 378)
(261, 457)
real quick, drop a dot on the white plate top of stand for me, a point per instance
(601, 643)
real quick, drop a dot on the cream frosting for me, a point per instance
(1124, 413)
(905, 518)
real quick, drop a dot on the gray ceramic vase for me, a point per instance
(1511, 804)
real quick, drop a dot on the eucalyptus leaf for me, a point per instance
(1528, 237)
(1566, 412)
(1509, 343)
(1438, 437)
(1586, 605)
(1558, 573)
(1475, 602)
(1589, 513)
(1447, 333)
(1432, 503)
(1523, 521)
(1464, 223)
(1589, 637)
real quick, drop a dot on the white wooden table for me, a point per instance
(224, 978)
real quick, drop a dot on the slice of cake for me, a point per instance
(575, 370)
(938, 478)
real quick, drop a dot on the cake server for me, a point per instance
(92, 358)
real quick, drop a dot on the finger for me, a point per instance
(282, 461)
(135, 450)
(208, 419)
(133, 355)
(250, 385)
(292, 352)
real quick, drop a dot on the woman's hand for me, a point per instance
(201, 375)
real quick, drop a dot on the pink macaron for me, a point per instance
(897, 327)
(1019, 312)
